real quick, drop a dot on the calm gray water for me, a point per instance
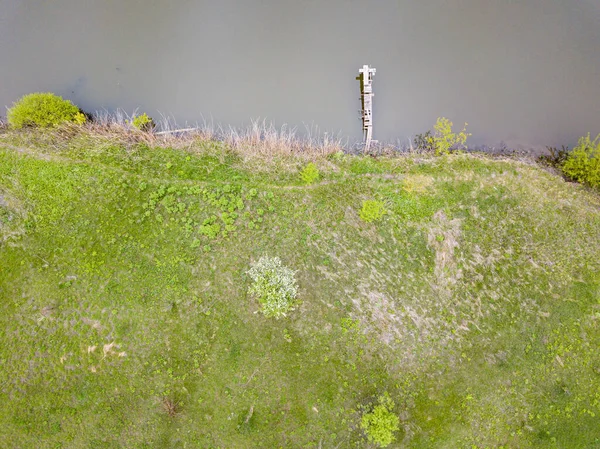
(520, 71)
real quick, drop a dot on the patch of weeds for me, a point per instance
(443, 139)
(247, 420)
(372, 210)
(143, 122)
(424, 142)
(556, 158)
(417, 183)
(380, 423)
(310, 173)
(5, 215)
(210, 228)
(11, 218)
(273, 286)
(349, 325)
(413, 201)
(214, 212)
(338, 156)
(360, 165)
(171, 407)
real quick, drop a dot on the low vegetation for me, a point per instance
(422, 301)
(583, 163)
(273, 286)
(372, 210)
(310, 173)
(43, 110)
(143, 122)
(381, 422)
(442, 139)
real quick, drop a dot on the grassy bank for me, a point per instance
(474, 302)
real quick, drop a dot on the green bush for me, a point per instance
(372, 210)
(583, 163)
(310, 173)
(444, 139)
(273, 286)
(44, 110)
(425, 142)
(143, 122)
(380, 423)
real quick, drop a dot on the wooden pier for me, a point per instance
(366, 97)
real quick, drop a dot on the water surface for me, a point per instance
(520, 71)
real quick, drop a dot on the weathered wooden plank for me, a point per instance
(365, 77)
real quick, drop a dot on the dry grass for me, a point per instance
(260, 138)
(171, 407)
(443, 238)
(263, 138)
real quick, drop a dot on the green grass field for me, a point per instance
(474, 302)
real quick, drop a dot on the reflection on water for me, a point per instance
(520, 71)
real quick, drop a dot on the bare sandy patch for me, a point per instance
(443, 237)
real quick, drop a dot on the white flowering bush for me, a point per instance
(274, 286)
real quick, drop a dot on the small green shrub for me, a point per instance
(143, 122)
(274, 286)
(310, 173)
(338, 156)
(43, 110)
(556, 158)
(444, 139)
(583, 163)
(380, 423)
(425, 142)
(372, 210)
(210, 228)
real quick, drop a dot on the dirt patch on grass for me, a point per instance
(443, 238)
(418, 329)
(12, 213)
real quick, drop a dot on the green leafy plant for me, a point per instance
(444, 139)
(372, 210)
(310, 173)
(338, 156)
(143, 122)
(381, 422)
(583, 164)
(274, 286)
(210, 228)
(43, 110)
(425, 142)
(555, 157)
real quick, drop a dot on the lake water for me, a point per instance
(520, 71)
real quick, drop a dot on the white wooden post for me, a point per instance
(366, 98)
